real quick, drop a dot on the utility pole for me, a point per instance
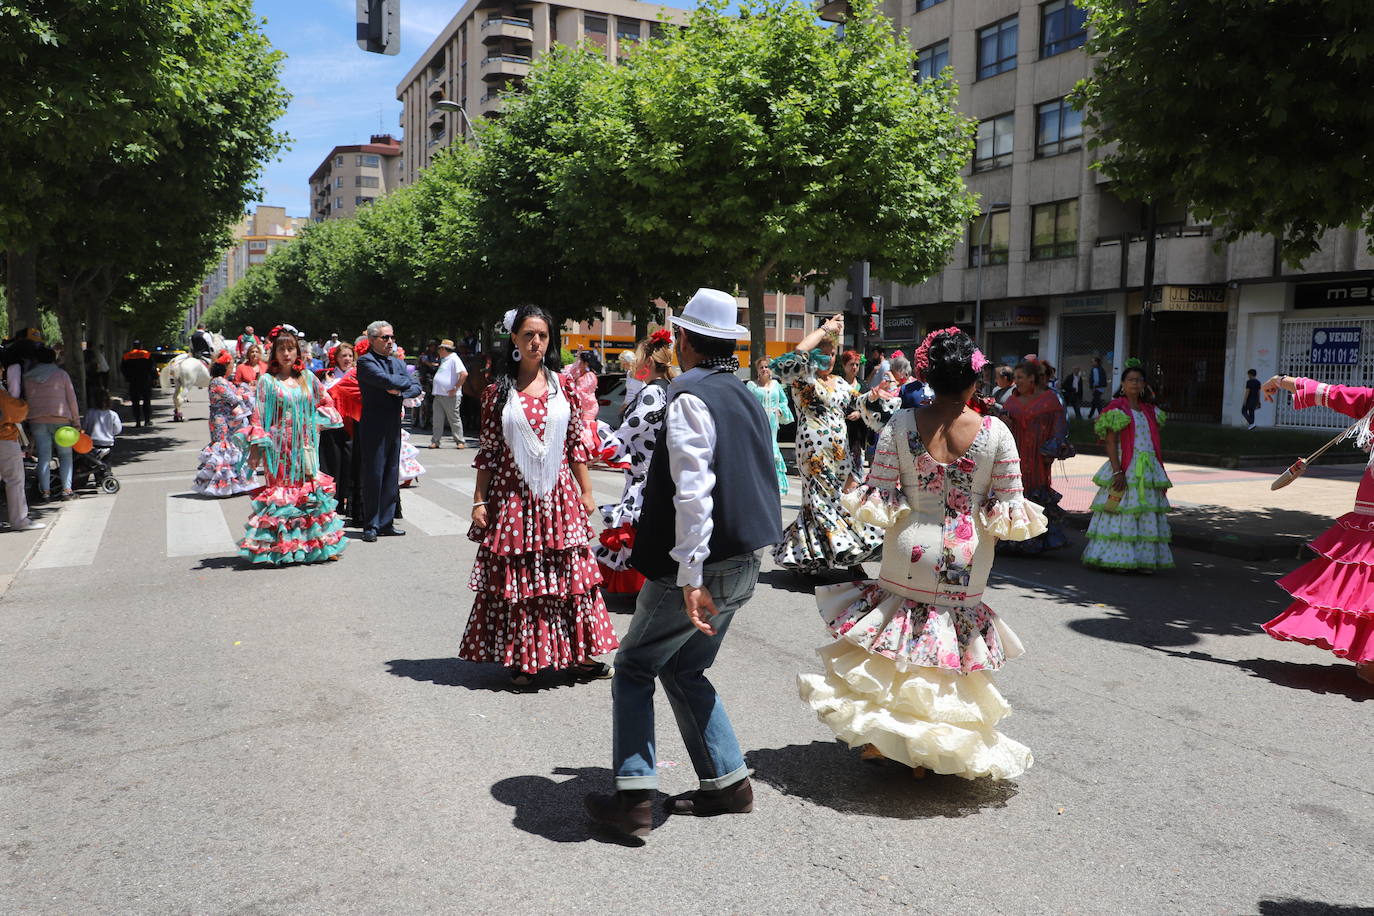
(858, 291)
(1146, 326)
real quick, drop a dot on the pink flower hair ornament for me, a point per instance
(921, 359)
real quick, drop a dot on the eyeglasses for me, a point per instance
(386, 336)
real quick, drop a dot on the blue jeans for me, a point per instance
(42, 447)
(663, 644)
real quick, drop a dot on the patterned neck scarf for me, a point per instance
(720, 364)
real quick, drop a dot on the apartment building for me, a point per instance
(1061, 254)
(489, 46)
(353, 176)
(255, 236)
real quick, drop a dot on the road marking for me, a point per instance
(196, 527)
(462, 484)
(75, 535)
(430, 517)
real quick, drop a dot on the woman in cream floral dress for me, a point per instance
(823, 536)
(907, 677)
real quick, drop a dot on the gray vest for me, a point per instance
(747, 511)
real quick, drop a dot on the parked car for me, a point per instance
(610, 399)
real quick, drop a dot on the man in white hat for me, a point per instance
(710, 504)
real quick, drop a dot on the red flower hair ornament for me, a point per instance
(921, 360)
(224, 358)
(661, 336)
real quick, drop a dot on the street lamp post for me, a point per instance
(447, 105)
(982, 256)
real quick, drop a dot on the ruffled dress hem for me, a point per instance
(293, 524)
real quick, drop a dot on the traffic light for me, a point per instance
(379, 28)
(873, 314)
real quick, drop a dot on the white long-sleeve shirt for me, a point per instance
(691, 441)
(103, 426)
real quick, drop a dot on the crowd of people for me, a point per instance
(928, 466)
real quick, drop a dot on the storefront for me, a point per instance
(899, 328)
(1011, 331)
(1087, 329)
(1328, 335)
(1187, 349)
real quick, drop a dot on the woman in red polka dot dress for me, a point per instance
(538, 604)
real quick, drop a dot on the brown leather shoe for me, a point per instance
(733, 799)
(627, 813)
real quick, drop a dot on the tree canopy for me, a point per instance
(1253, 112)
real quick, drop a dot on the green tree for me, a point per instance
(1253, 112)
(767, 147)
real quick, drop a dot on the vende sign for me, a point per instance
(1336, 346)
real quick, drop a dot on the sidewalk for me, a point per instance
(1223, 511)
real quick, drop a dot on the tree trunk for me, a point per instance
(69, 319)
(758, 339)
(21, 288)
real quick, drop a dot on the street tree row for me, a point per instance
(135, 131)
(748, 152)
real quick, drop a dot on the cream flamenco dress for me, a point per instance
(909, 669)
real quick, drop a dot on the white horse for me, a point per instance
(186, 372)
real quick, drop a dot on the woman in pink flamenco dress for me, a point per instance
(1333, 595)
(579, 380)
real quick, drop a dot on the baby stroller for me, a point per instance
(92, 464)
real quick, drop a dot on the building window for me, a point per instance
(257, 246)
(370, 162)
(595, 28)
(770, 321)
(989, 238)
(1058, 128)
(362, 201)
(794, 322)
(927, 4)
(997, 48)
(627, 32)
(338, 160)
(1063, 27)
(365, 181)
(338, 203)
(1054, 230)
(338, 182)
(655, 30)
(931, 61)
(992, 146)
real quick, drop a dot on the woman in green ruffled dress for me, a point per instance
(1130, 524)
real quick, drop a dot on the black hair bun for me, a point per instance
(950, 367)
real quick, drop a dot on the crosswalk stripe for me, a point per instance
(196, 527)
(430, 517)
(75, 535)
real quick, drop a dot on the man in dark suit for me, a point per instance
(140, 374)
(383, 383)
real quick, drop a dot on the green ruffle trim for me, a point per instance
(1104, 565)
(1134, 510)
(1161, 417)
(313, 555)
(1113, 421)
(1127, 539)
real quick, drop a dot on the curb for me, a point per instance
(1206, 539)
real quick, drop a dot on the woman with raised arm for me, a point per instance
(907, 676)
(1333, 595)
(823, 535)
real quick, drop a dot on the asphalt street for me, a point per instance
(182, 734)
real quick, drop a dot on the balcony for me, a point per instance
(435, 118)
(490, 103)
(505, 66)
(498, 27)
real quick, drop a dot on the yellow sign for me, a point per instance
(1184, 299)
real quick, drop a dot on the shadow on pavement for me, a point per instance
(1291, 906)
(830, 774)
(231, 562)
(455, 672)
(133, 445)
(1327, 679)
(552, 808)
(789, 580)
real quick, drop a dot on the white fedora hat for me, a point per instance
(711, 313)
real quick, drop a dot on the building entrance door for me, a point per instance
(1188, 363)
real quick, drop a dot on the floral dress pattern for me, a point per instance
(632, 445)
(823, 535)
(222, 471)
(409, 467)
(580, 387)
(1134, 532)
(537, 604)
(1039, 425)
(908, 670)
(779, 413)
(293, 518)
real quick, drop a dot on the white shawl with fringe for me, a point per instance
(538, 460)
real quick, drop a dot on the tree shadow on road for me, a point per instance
(1291, 906)
(830, 774)
(553, 809)
(1337, 679)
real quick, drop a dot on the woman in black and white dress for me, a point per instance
(633, 444)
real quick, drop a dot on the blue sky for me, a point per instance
(341, 94)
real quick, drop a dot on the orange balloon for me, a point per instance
(83, 444)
